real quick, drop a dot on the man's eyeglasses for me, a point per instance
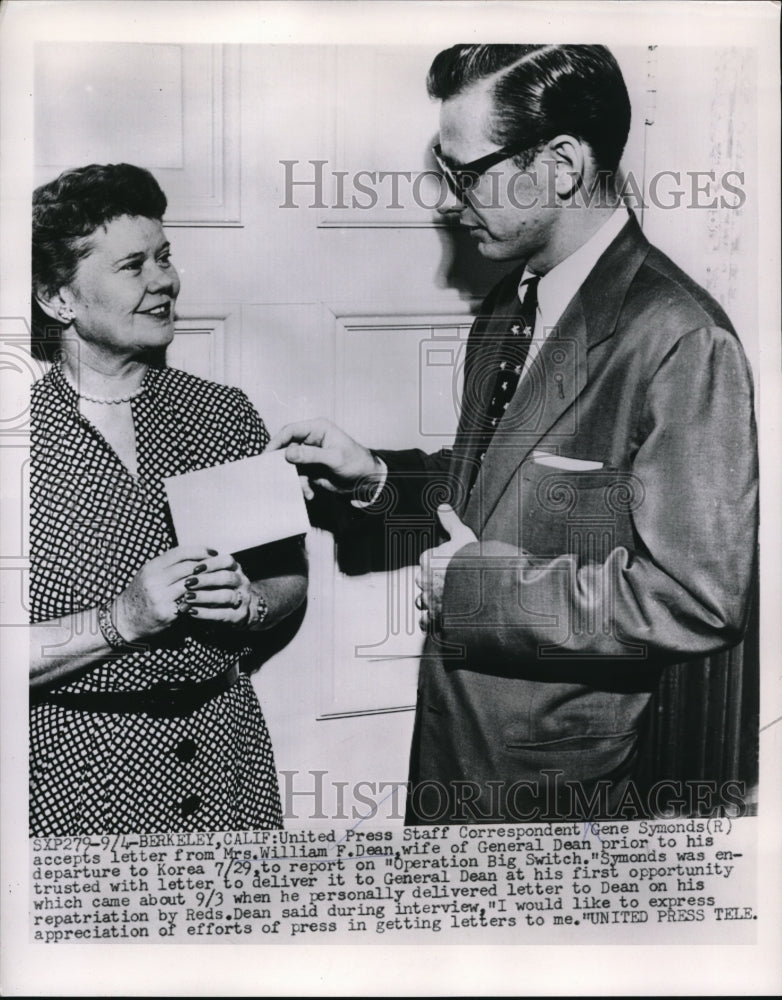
(461, 180)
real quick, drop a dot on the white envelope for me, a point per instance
(238, 505)
(565, 463)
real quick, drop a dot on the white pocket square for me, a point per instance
(565, 463)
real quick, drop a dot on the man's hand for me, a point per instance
(433, 565)
(325, 455)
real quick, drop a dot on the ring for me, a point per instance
(181, 605)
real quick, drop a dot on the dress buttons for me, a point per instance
(190, 803)
(186, 749)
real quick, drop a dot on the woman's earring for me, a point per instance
(66, 315)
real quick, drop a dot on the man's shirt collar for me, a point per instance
(558, 287)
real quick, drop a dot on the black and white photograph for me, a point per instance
(390, 421)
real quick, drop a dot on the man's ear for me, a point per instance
(57, 306)
(570, 164)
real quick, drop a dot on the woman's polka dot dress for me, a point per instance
(93, 526)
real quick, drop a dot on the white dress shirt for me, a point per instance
(560, 284)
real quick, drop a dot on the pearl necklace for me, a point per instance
(107, 401)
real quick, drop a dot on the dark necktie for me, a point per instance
(511, 359)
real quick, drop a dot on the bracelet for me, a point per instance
(108, 629)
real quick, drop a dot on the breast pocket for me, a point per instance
(583, 513)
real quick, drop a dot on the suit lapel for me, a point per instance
(558, 373)
(490, 329)
(550, 387)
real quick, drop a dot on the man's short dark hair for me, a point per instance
(541, 91)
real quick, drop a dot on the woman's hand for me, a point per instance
(149, 603)
(219, 592)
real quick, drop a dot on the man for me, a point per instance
(603, 478)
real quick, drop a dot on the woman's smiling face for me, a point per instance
(123, 294)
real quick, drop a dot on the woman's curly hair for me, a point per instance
(67, 211)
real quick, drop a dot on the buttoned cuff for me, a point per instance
(374, 490)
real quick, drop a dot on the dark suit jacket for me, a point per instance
(583, 584)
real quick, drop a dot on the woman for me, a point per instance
(141, 718)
